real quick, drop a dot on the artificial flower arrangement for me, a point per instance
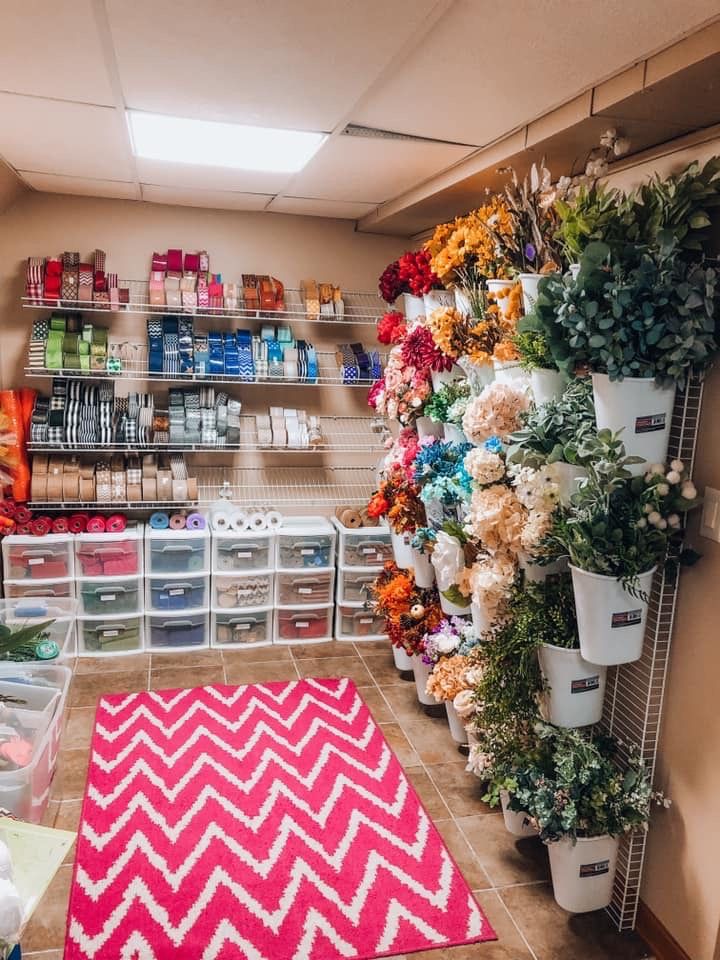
(398, 499)
(453, 636)
(448, 404)
(419, 351)
(495, 412)
(531, 245)
(440, 472)
(557, 431)
(401, 452)
(391, 328)
(448, 677)
(411, 273)
(478, 337)
(402, 390)
(409, 611)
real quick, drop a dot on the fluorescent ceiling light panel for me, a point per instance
(209, 144)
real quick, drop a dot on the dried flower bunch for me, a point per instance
(410, 612)
(398, 499)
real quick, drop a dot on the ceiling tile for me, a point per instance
(372, 170)
(513, 73)
(50, 52)
(82, 187)
(210, 199)
(204, 178)
(267, 62)
(307, 206)
(66, 138)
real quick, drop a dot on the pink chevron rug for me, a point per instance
(264, 822)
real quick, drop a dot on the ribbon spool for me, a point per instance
(256, 521)
(116, 523)
(238, 521)
(8, 508)
(40, 526)
(159, 520)
(95, 525)
(178, 521)
(24, 530)
(195, 521)
(349, 517)
(273, 520)
(220, 521)
(78, 523)
(60, 525)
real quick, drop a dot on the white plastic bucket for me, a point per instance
(423, 568)
(576, 687)
(453, 434)
(529, 283)
(422, 672)
(510, 371)
(641, 410)
(453, 609)
(479, 374)
(567, 476)
(583, 873)
(428, 428)
(437, 299)
(413, 307)
(537, 573)
(518, 824)
(456, 724)
(495, 286)
(611, 622)
(480, 620)
(403, 661)
(402, 549)
(547, 385)
(442, 377)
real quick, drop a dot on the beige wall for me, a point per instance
(682, 870)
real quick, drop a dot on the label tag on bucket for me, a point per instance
(626, 618)
(594, 869)
(585, 684)
(650, 423)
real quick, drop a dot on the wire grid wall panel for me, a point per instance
(359, 307)
(286, 486)
(635, 691)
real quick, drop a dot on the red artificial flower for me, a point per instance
(391, 327)
(419, 351)
(414, 269)
(378, 506)
(390, 284)
(375, 391)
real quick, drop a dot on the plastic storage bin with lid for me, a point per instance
(306, 543)
(168, 631)
(356, 622)
(236, 591)
(304, 588)
(38, 558)
(363, 546)
(173, 594)
(110, 635)
(109, 597)
(308, 625)
(31, 724)
(50, 622)
(354, 585)
(109, 554)
(243, 552)
(242, 628)
(177, 551)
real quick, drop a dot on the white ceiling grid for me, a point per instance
(447, 71)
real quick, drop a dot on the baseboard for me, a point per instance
(661, 941)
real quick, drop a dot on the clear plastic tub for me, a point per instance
(356, 622)
(175, 594)
(109, 554)
(305, 589)
(306, 543)
(111, 635)
(58, 614)
(38, 558)
(242, 628)
(354, 585)
(109, 597)
(173, 551)
(363, 546)
(25, 791)
(178, 631)
(309, 625)
(242, 552)
(234, 592)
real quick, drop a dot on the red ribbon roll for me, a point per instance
(40, 526)
(8, 508)
(175, 261)
(96, 525)
(23, 530)
(78, 523)
(23, 515)
(60, 525)
(116, 523)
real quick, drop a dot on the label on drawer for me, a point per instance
(34, 561)
(304, 590)
(366, 619)
(108, 596)
(110, 633)
(176, 592)
(243, 626)
(302, 624)
(369, 550)
(307, 551)
(243, 554)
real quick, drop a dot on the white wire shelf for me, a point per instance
(360, 307)
(339, 435)
(252, 486)
(329, 374)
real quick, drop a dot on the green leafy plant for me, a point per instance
(557, 431)
(533, 350)
(438, 407)
(573, 787)
(594, 213)
(619, 525)
(22, 644)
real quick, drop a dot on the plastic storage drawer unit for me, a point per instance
(170, 551)
(111, 634)
(311, 624)
(25, 789)
(166, 632)
(237, 552)
(109, 554)
(363, 546)
(103, 598)
(38, 558)
(177, 593)
(236, 592)
(303, 589)
(57, 589)
(243, 628)
(54, 618)
(306, 543)
(356, 622)
(354, 586)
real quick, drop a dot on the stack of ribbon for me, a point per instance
(358, 365)
(16, 518)
(161, 520)
(226, 517)
(68, 281)
(283, 427)
(322, 300)
(71, 344)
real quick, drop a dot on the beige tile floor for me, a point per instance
(510, 877)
